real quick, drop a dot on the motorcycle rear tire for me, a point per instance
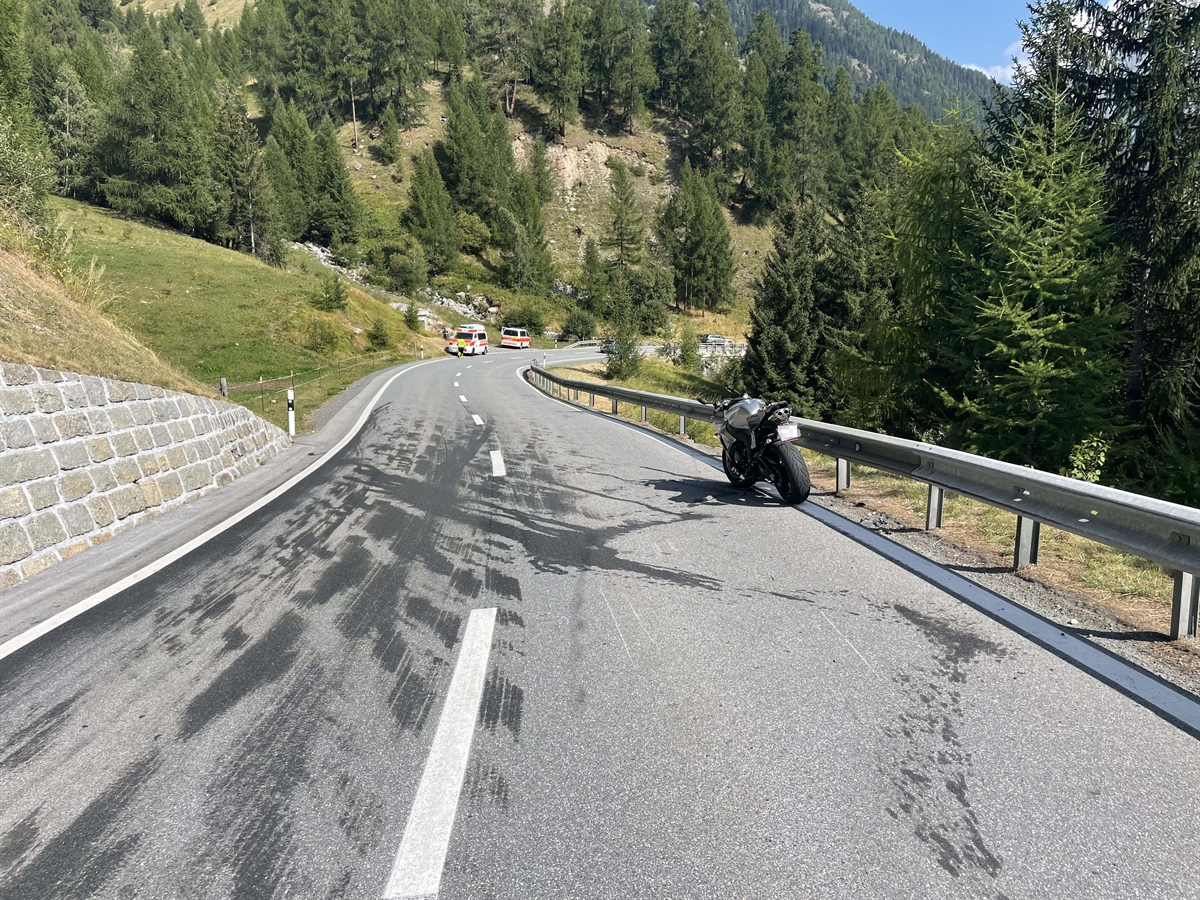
(796, 482)
(735, 478)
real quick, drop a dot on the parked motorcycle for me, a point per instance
(756, 445)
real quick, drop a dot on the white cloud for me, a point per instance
(1004, 73)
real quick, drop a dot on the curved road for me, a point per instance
(648, 684)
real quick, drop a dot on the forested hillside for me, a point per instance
(1023, 282)
(872, 53)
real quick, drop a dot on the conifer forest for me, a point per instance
(1013, 271)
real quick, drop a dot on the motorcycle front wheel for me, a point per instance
(795, 484)
(734, 472)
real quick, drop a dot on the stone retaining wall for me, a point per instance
(85, 458)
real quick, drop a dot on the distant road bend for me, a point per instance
(499, 647)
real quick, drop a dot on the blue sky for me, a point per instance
(981, 34)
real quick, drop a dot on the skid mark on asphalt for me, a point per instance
(503, 704)
(931, 780)
(35, 735)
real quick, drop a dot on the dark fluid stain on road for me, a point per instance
(502, 704)
(444, 624)
(264, 661)
(213, 609)
(82, 858)
(251, 818)
(234, 638)
(35, 735)
(503, 585)
(932, 779)
(18, 841)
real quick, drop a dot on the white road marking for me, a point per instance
(498, 470)
(417, 871)
(478, 421)
(462, 398)
(468, 367)
(457, 374)
(12, 645)
(456, 384)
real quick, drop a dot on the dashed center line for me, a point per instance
(462, 398)
(457, 374)
(456, 384)
(478, 421)
(498, 470)
(417, 871)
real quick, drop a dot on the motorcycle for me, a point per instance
(756, 445)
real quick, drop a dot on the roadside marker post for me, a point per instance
(291, 413)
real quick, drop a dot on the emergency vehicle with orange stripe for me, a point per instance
(472, 339)
(514, 338)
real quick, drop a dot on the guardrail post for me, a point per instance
(291, 397)
(592, 399)
(643, 414)
(1184, 604)
(933, 509)
(682, 426)
(843, 476)
(614, 407)
(1026, 551)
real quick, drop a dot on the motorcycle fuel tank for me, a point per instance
(745, 414)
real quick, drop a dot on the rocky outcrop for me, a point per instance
(85, 458)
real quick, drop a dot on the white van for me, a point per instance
(515, 338)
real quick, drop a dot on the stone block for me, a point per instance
(162, 437)
(94, 388)
(103, 478)
(9, 577)
(42, 493)
(71, 456)
(124, 444)
(43, 429)
(119, 391)
(144, 439)
(70, 550)
(148, 463)
(127, 500)
(170, 486)
(14, 543)
(100, 449)
(156, 391)
(48, 398)
(45, 530)
(15, 373)
(224, 479)
(78, 519)
(38, 564)
(96, 540)
(190, 451)
(74, 485)
(17, 467)
(143, 391)
(49, 376)
(142, 414)
(99, 420)
(17, 433)
(16, 401)
(74, 395)
(120, 417)
(13, 503)
(176, 458)
(175, 429)
(162, 412)
(195, 477)
(72, 424)
(151, 494)
(126, 471)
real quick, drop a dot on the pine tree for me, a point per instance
(602, 47)
(508, 46)
(528, 265)
(695, 237)
(634, 74)
(673, 32)
(710, 101)
(247, 217)
(780, 347)
(73, 129)
(765, 41)
(450, 38)
(389, 137)
(193, 19)
(794, 164)
(624, 233)
(429, 215)
(539, 168)
(561, 63)
(625, 358)
(336, 213)
(394, 41)
(290, 199)
(845, 158)
(593, 280)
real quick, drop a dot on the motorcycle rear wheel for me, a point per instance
(736, 476)
(796, 484)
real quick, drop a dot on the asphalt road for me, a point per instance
(683, 691)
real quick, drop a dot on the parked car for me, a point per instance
(716, 340)
(608, 345)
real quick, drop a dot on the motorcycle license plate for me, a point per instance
(788, 431)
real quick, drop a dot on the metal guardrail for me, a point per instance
(1165, 533)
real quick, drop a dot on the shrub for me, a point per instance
(528, 315)
(689, 348)
(320, 335)
(332, 294)
(579, 326)
(377, 334)
(412, 320)
(407, 269)
(476, 236)
(653, 317)
(639, 171)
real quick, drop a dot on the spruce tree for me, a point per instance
(710, 100)
(561, 63)
(528, 265)
(674, 29)
(389, 137)
(247, 217)
(593, 280)
(289, 197)
(290, 130)
(634, 73)
(539, 168)
(602, 43)
(780, 346)
(73, 129)
(695, 237)
(429, 215)
(336, 214)
(624, 232)
(794, 164)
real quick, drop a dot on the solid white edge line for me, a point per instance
(498, 470)
(478, 421)
(14, 644)
(417, 871)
